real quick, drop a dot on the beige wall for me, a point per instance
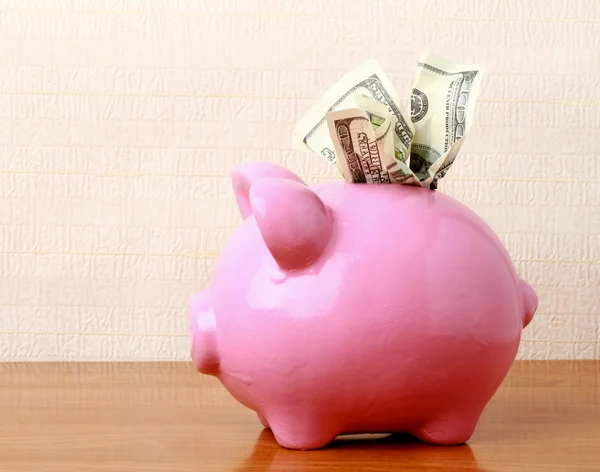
(121, 120)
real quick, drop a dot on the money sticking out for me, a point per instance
(442, 110)
(367, 80)
(361, 127)
(378, 113)
(355, 145)
(366, 150)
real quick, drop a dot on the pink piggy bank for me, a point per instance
(356, 308)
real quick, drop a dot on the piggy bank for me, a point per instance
(358, 308)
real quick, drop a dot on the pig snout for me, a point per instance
(530, 302)
(203, 332)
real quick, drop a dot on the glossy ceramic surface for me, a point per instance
(355, 308)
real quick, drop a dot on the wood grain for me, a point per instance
(164, 417)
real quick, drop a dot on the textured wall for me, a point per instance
(121, 120)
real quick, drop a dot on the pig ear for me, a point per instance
(245, 175)
(295, 224)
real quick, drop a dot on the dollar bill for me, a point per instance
(385, 137)
(366, 152)
(378, 113)
(355, 145)
(442, 110)
(311, 132)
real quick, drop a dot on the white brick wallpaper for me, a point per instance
(121, 120)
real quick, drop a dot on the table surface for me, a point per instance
(165, 417)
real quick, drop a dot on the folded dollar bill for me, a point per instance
(360, 125)
(367, 146)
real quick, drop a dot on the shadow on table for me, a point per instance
(360, 453)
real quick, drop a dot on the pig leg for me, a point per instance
(452, 429)
(263, 420)
(303, 432)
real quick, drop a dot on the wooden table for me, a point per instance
(164, 417)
